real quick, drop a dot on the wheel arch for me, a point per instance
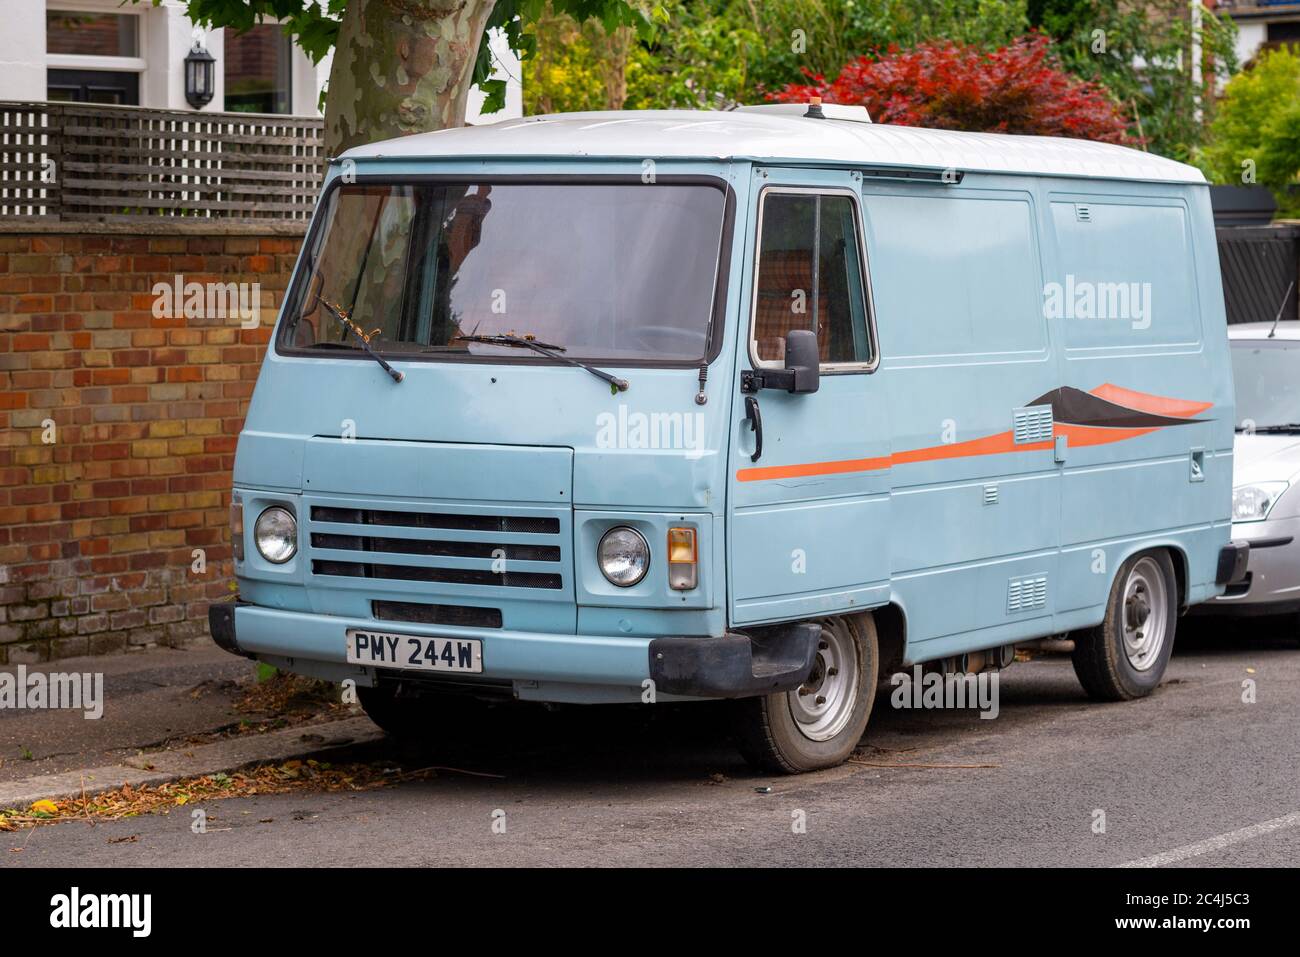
(1177, 556)
(891, 636)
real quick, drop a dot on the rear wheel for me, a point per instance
(1126, 655)
(820, 723)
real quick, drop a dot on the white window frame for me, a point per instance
(873, 341)
(121, 64)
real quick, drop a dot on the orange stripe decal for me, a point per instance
(1146, 402)
(1079, 436)
(763, 473)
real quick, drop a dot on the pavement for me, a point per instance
(1193, 775)
(151, 698)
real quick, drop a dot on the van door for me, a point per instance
(809, 512)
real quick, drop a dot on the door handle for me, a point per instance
(755, 419)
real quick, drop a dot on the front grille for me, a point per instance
(497, 548)
(466, 616)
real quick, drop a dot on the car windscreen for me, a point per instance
(1266, 373)
(616, 272)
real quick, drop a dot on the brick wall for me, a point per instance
(98, 527)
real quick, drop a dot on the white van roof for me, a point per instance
(777, 136)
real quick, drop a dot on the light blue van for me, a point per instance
(762, 405)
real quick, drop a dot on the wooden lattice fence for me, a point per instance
(77, 162)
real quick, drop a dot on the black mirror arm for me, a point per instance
(753, 380)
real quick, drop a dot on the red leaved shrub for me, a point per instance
(1019, 88)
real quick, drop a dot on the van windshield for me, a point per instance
(613, 272)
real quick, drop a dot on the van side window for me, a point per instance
(810, 276)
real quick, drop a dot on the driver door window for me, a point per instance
(810, 275)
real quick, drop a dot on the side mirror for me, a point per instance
(802, 367)
(802, 360)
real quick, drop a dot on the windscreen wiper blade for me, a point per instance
(1285, 427)
(550, 351)
(362, 338)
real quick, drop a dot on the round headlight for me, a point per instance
(276, 534)
(623, 556)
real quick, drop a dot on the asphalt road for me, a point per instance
(1190, 776)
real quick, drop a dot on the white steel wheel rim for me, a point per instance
(823, 705)
(1145, 613)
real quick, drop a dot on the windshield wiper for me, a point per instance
(1285, 427)
(349, 325)
(616, 384)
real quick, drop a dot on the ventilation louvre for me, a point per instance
(1026, 594)
(1083, 212)
(1033, 424)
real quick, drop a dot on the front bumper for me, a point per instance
(1271, 584)
(727, 666)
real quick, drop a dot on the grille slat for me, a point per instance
(466, 616)
(450, 576)
(422, 546)
(525, 524)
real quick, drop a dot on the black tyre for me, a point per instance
(1126, 655)
(819, 724)
(419, 719)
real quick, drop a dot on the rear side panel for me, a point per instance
(1147, 406)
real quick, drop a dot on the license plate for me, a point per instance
(386, 650)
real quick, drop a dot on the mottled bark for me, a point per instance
(614, 66)
(401, 67)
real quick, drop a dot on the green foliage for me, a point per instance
(703, 53)
(1141, 51)
(689, 58)
(834, 32)
(1257, 129)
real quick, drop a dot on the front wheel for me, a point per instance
(1125, 656)
(819, 723)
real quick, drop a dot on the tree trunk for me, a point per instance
(401, 67)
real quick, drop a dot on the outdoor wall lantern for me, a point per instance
(200, 71)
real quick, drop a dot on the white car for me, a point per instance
(1266, 468)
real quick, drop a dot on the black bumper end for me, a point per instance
(1232, 562)
(735, 666)
(221, 624)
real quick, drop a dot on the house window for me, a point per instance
(257, 65)
(91, 34)
(93, 57)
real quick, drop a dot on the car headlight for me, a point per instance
(276, 534)
(1252, 503)
(623, 556)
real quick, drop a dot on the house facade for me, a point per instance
(1262, 24)
(133, 54)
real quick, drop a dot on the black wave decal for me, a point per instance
(1075, 407)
